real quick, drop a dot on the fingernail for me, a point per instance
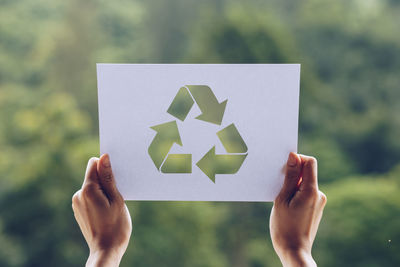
(106, 161)
(292, 160)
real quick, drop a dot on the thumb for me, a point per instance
(292, 177)
(106, 178)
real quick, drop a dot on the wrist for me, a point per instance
(297, 258)
(104, 258)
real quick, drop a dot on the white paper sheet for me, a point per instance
(262, 103)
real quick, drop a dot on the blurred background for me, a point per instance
(349, 120)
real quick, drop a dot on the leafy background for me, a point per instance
(350, 107)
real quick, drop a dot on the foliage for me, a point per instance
(350, 56)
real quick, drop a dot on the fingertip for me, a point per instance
(104, 161)
(310, 165)
(91, 171)
(292, 176)
(293, 160)
(104, 168)
(309, 160)
(293, 166)
(106, 177)
(92, 161)
(310, 172)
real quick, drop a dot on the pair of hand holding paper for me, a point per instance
(106, 224)
(247, 112)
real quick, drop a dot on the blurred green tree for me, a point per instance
(350, 56)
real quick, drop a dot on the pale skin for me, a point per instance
(105, 221)
(297, 212)
(102, 215)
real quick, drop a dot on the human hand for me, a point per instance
(102, 214)
(297, 212)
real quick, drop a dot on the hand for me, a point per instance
(297, 212)
(102, 214)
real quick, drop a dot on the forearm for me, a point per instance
(104, 259)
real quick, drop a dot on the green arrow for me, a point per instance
(211, 110)
(181, 104)
(167, 135)
(177, 163)
(212, 164)
(231, 140)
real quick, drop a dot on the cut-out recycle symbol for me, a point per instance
(211, 111)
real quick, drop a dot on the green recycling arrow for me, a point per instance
(212, 163)
(167, 135)
(231, 139)
(177, 163)
(211, 110)
(181, 104)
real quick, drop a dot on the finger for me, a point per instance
(106, 178)
(92, 193)
(292, 177)
(310, 173)
(91, 172)
(76, 199)
(77, 207)
(91, 188)
(319, 212)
